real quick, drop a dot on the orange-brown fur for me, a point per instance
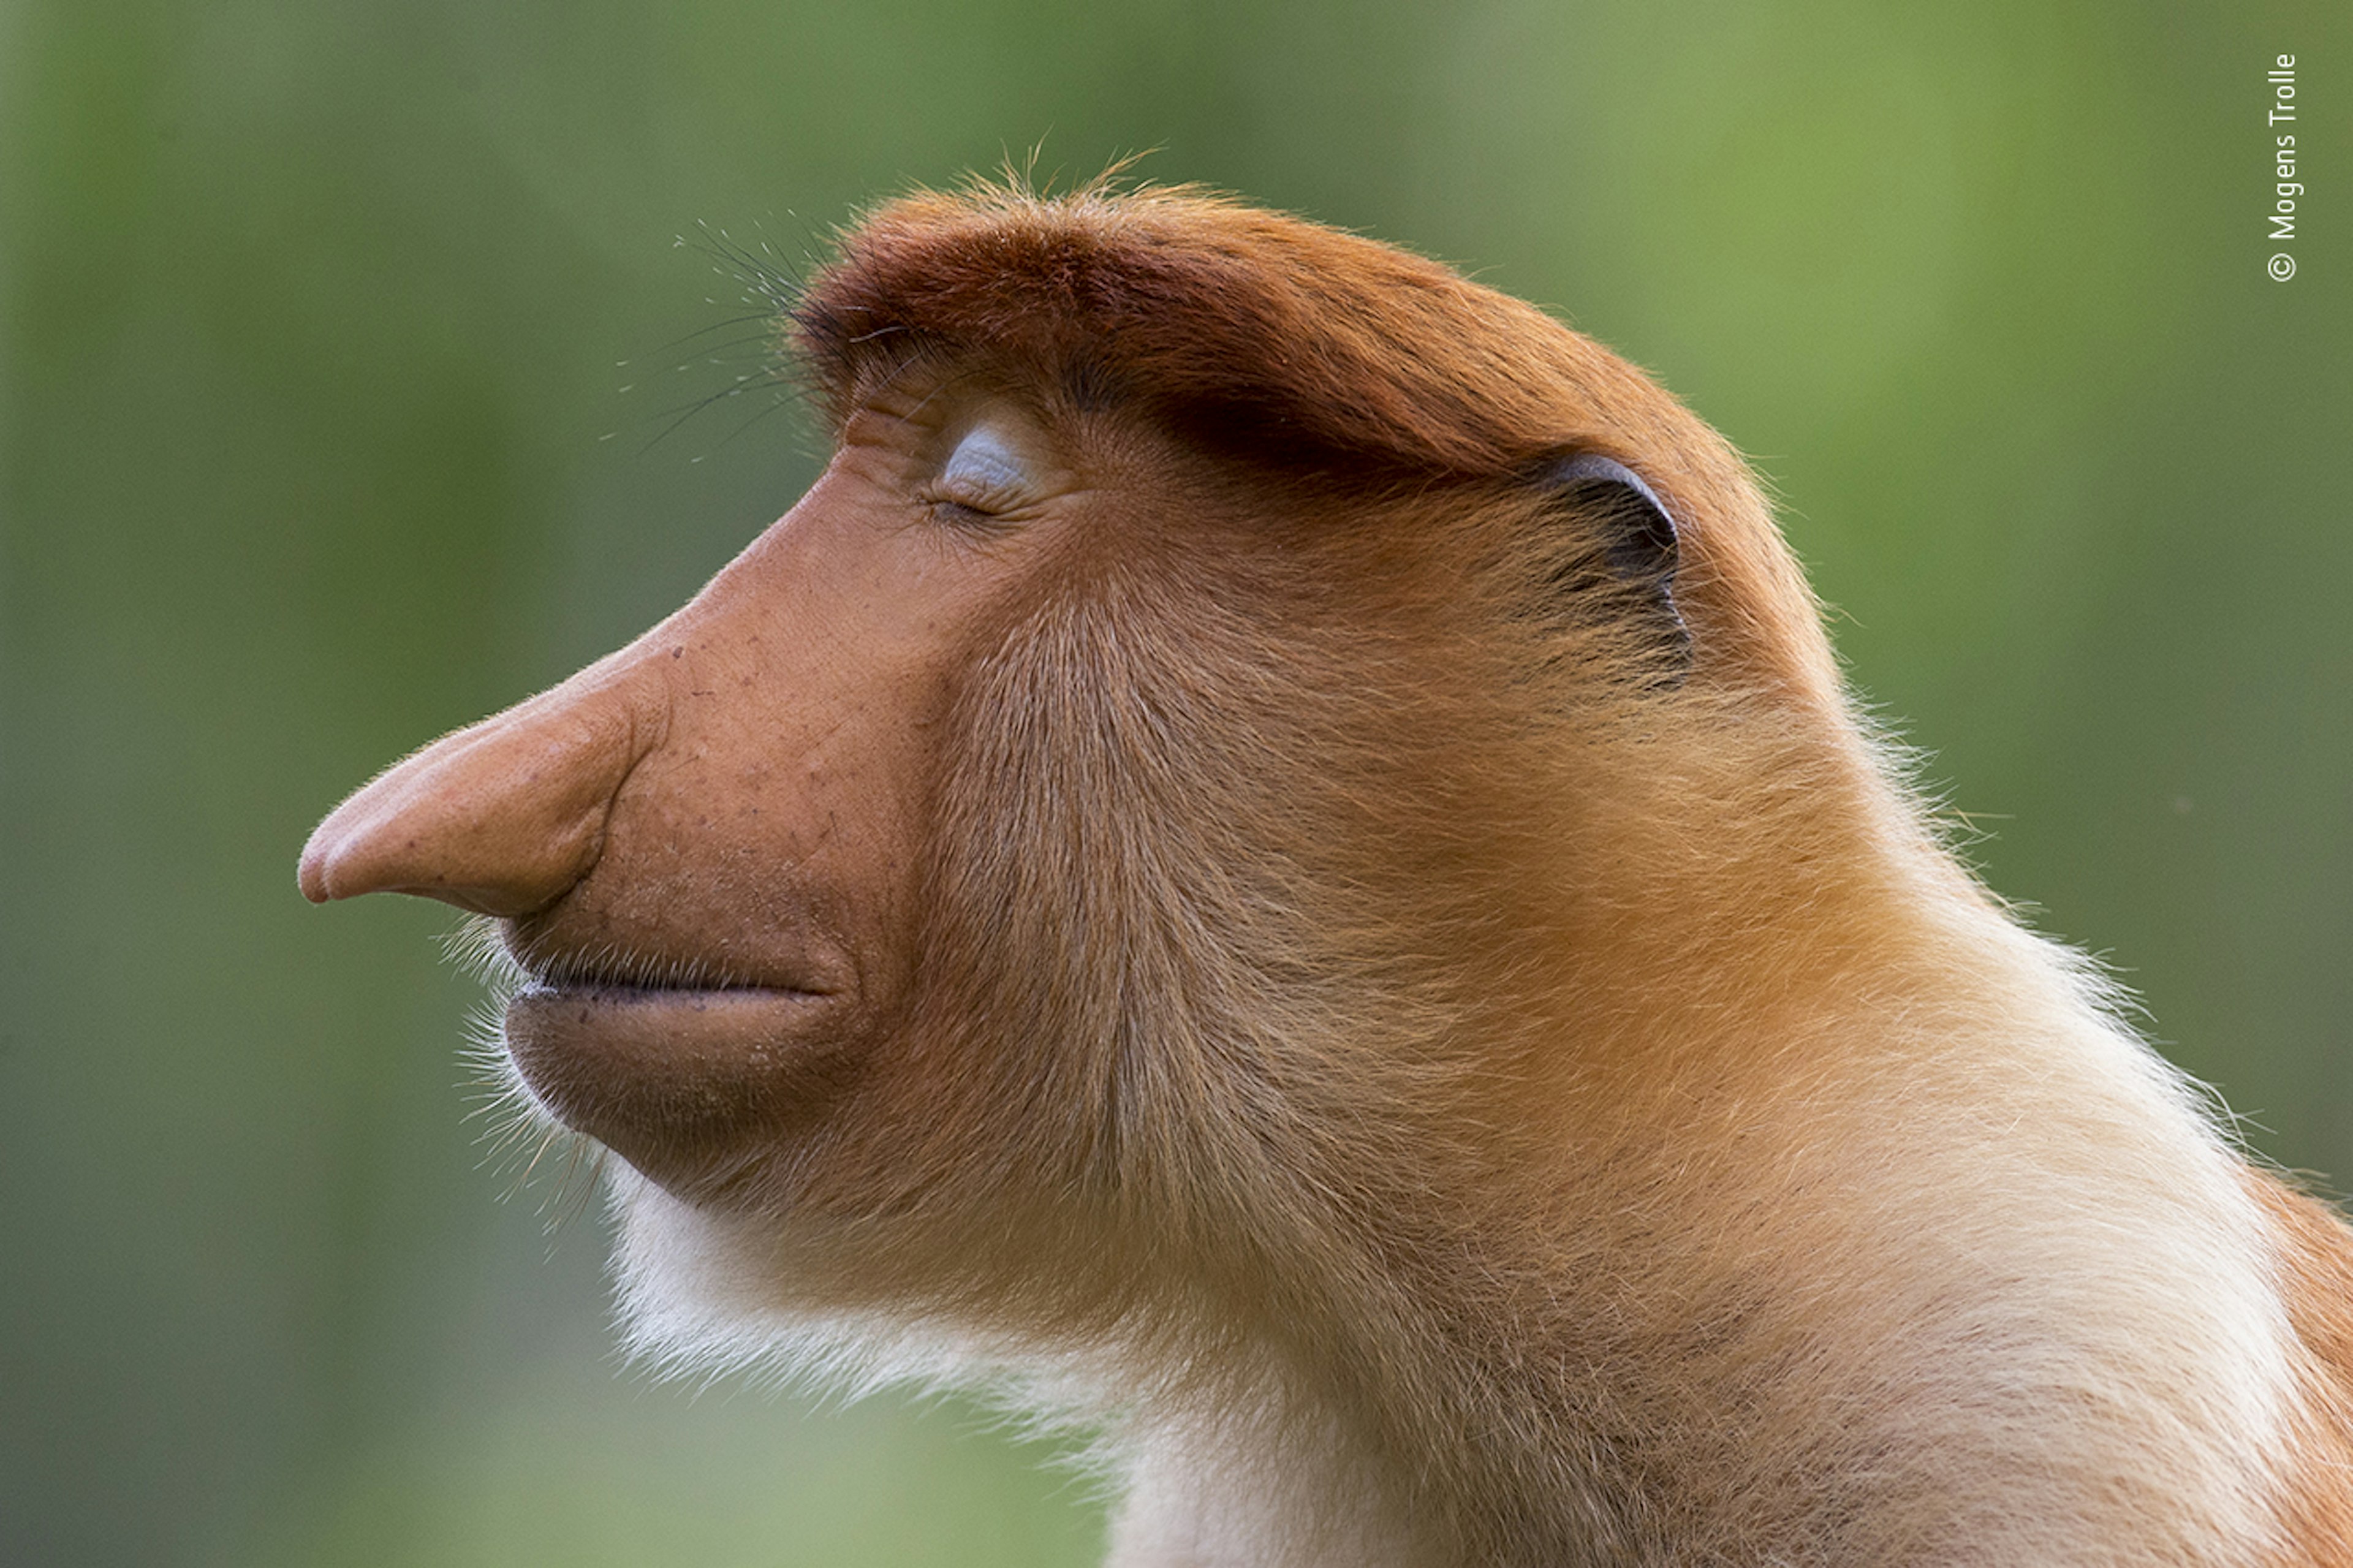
(2317, 1277)
(1428, 1076)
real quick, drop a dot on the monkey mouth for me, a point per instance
(670, 1076)
(614, 988)
(590, 1000)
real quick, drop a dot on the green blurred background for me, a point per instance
(310, 317)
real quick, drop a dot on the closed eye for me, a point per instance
(985, 475)
(985, 460)
(960, 515)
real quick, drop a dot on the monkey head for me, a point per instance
(1106, 834)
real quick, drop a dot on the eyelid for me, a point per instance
(985, 471)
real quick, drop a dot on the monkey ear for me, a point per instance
(1641, 544)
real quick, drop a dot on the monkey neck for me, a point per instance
(1599, 1262)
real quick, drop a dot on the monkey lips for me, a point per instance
(676, 1080)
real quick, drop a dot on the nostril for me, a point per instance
(311, 875)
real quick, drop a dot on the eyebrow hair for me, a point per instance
(1223, 319)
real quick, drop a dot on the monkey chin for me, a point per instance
(686, 1085)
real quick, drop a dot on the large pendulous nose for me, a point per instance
(501, 817)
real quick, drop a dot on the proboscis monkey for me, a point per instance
(1273, 862)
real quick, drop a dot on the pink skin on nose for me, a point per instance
(501, 817)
